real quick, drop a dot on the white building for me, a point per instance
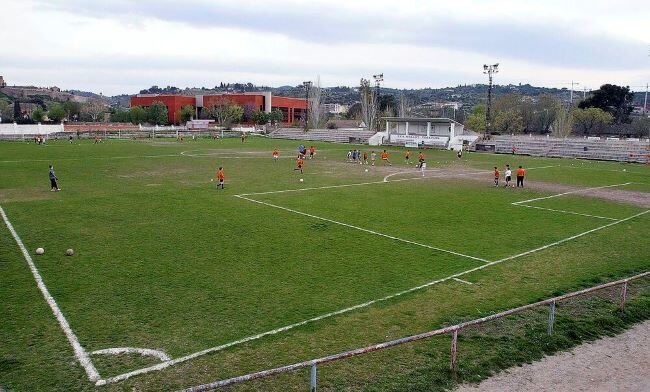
(434, 132)
(335, 108)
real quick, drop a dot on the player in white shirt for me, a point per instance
(508, 175)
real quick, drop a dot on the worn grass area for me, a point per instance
(165, 261)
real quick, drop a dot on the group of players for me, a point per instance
(521, 173)
(362, 158)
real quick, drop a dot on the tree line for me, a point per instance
(606, 110)
(225, 112)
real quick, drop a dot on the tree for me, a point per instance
(38, 115)
(591, 119)
(122, 116)
(476, 120)
(508, 121)
(138, 115)
(17, 113)
(316, 108)
(546, 110)
(56, 112)
(157, 113)
(186, 113)
(368, 104)
(94, 110)
(615, 100)
(405, 106)
(354, 111)
(260, 117)
(5, 110)
(276, 116)
(563, 122)
(249, 109)
(641, 127)
(72, 109)
(226, 112)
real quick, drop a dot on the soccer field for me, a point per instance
(271, 270)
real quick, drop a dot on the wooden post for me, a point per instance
(623, 296)
(551, 318)
(454, 350)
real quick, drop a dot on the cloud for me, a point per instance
(124, 46)
(551, 41)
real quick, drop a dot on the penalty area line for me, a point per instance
(565, 212)
(79, 351)
(166, 364)
(364, 230)
(568, 193)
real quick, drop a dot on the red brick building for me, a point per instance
(292, 108)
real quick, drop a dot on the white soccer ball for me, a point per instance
(366, 170)
(69, 252)
(301, 180)
(40, 251)
(624, 169)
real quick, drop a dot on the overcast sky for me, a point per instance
(122, 46)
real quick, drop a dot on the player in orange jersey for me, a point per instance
(276, 154)
(300, 163)
(521, 173)
(221, 178)
(384, 158)
(407, 157)
(496, 176)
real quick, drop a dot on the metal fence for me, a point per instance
(452, 330)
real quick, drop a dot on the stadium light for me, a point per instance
(489, 70)
(378, 79)
(307, 86)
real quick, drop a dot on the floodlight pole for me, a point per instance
(571, 96)
(489, 70)
(645, 101)
(378, 79)
(307, 86)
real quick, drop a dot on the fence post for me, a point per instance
(312, 379)
(454, 349)
(551, 318)
(623, 295)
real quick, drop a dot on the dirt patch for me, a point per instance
(617, 363)
(617, 194)
(34, 194)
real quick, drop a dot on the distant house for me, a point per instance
(2, 82)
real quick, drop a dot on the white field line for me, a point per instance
(90, 158)
(541, 167)
(364, 230)
(163, 365)
(330, 186)
(80, 353)
(417, 172)
(564, 211)
(572, 237)
(462, 281)
(131, 350)
(567, 193)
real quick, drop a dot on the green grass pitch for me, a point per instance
(165, 261)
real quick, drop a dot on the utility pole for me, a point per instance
(645, 100)
(307, 86)
(489, 70)
(572, 84)
(378, 79)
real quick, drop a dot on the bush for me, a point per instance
(331, 125)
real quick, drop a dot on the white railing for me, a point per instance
(452, 330)
(18, 130)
